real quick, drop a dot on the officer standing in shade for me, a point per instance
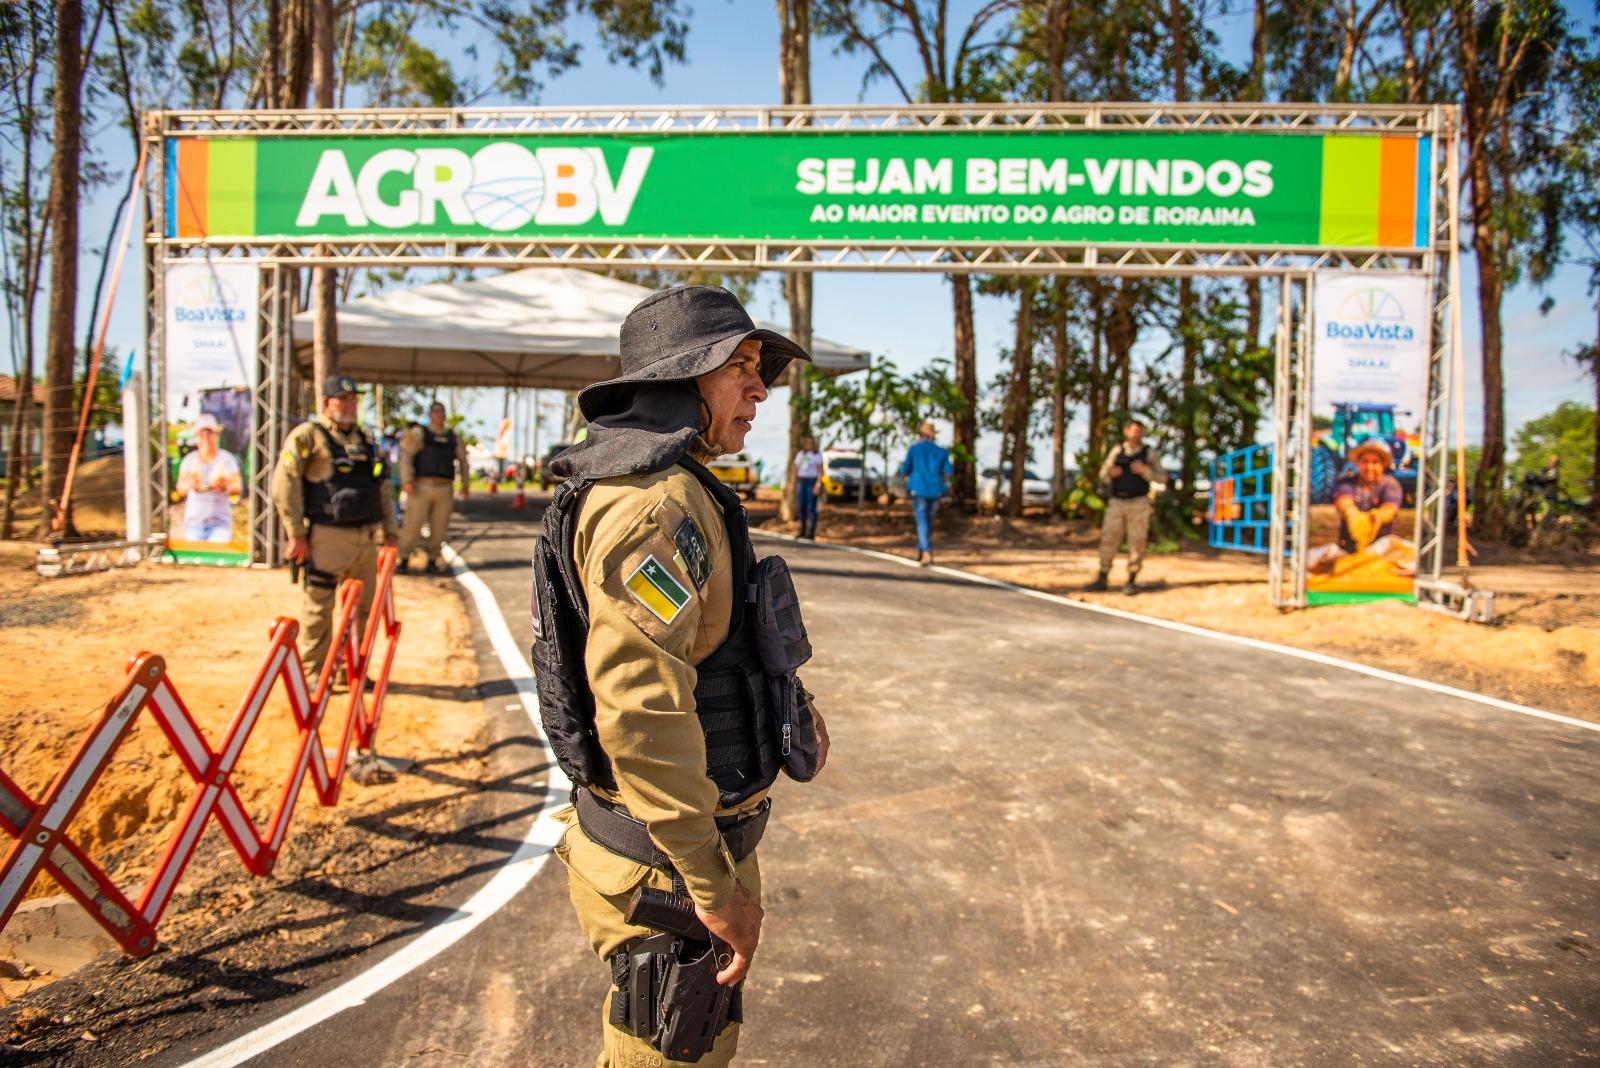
(430, 456)
(1127, 476)
(670, 700)
(333, 498)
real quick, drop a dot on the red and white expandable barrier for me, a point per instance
(40, 828)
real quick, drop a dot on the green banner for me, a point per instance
(1047, 187)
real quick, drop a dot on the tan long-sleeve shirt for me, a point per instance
(642, 652)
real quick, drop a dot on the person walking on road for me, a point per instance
(927, 469)
(430, 458)
(807, 472)
(332, 496)
(647, 698)
(1126, 478)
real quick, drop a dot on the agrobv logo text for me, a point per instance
(501, 187)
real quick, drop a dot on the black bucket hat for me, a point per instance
(680, 334)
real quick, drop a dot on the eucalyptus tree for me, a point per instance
(794, 84)
(1507, 61)
(952, 63)
(26, 44)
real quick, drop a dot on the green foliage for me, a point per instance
(535, 39)
(1568, 433)
(1081, 500)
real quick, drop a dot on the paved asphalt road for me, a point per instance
(1050, 837)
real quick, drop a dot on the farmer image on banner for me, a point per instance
(1368, 374)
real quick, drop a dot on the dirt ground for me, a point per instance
(97, 494)
(1544, 650)
(70, 639)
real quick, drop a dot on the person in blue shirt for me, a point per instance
(928, 471)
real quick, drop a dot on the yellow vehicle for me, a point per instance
(739, 472)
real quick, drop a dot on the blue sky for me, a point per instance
(732, 53)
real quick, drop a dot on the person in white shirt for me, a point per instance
(206, 479)
(807, 470)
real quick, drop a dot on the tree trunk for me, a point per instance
(794, 81)
(1121, 332)
(1187, 406)
(324, 280)
(272, 85)
(296, 86)
(1189, 409)
(17, 463)
(1253, 286)
(1488, 479)
(966, 353)
(1058, 404)
(1252, 334)
(1594, 475)
(1020, 394)
(1099, 381)
(64, 178)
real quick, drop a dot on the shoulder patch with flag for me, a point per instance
(653, 586)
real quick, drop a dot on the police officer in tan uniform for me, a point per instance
(333, 499)
(430, 457)
(673, 787)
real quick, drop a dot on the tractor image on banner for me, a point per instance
(1370, 358)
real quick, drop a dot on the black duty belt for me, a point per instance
(611, 826)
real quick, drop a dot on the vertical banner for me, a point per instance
(1369, 367)
(211, 333)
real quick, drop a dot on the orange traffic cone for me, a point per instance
(519, 499)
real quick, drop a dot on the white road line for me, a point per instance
(513, 875)
(1214, 635)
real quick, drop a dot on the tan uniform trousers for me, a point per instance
(429, 503)
(344, 553)
(1125, 517)
(600, 883)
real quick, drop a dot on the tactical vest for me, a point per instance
(437, 457)
(754, 713)
(351, 496)
(1128, 484)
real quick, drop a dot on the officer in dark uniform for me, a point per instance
(665, 656)
(333, 498)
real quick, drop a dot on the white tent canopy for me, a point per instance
(543, 328)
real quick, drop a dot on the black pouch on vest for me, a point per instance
(558, 670)
(780, 633)
(789, 705)
(783, 646)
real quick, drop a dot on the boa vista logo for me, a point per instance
(208, 300)
(501, 187)
(1371, 314)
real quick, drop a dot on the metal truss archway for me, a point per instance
(1295, 266)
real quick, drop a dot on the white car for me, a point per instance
(995, 483)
